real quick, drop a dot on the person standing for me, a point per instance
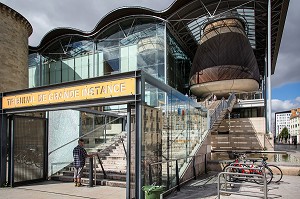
(79, 155)
(215, 98)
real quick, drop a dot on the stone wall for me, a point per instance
(14, 33)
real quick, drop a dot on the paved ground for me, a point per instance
(288, 188)
(205, 187)
(59, 190)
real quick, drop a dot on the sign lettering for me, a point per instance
(100, 90)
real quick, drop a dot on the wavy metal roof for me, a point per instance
(186, 18)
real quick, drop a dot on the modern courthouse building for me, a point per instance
(156, 93)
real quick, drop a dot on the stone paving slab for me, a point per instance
(206, 187)
(59, 190)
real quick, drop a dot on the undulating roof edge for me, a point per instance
(104, 21)
(176, 6)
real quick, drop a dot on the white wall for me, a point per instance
(63, 127)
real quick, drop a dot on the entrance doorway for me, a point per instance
(28, 149)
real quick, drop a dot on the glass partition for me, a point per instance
(63, 129)
(34, 70)
(100, 130)
(173, 125)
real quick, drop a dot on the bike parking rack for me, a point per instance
(226, 174)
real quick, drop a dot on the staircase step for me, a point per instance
(85, 181)
(111, 176)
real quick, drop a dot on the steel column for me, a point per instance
(3, 145)
(269, 69)
(128, 157)
(140, 86)
(91, 171)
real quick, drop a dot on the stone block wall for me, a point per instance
(14, 33)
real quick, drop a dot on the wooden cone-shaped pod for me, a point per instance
(224, 61)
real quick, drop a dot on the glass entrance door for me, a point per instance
(28, 147)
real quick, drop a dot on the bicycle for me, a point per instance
(240, 165)
(276, 171)
(30, 156)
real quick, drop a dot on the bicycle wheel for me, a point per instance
(269, 175)
(277, 173)
(230, 177)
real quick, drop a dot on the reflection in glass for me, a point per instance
(172, 127)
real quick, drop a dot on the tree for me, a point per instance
(284, 134)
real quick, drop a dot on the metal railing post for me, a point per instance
(265, 183)
(150, 174)
(91, 172)
(168, 175)
(177, 176)
(219, 185)
(101, 165)
(226, 177)
(194, 168)
(95, 165)
(205, 163)
(122, 140)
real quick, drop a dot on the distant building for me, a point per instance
(295, 127)
(282, 119)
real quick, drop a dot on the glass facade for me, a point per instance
(178, 66)
(128, 45)
(172, 125)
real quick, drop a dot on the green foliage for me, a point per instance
(284, 134)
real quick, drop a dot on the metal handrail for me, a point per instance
(225, 104)
(114, 143)
(177, 176)
(99, 152)
(100, 161)
(102, 126)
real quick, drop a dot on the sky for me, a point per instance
(47, 15)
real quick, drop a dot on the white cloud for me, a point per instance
(82, 15)
(288, 62)
(284, 105)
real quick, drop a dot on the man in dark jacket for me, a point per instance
(79, 155)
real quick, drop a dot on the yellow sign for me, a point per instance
(100, 90)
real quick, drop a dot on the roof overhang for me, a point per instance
(186, 18)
